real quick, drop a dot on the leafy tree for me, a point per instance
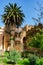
(37, 40)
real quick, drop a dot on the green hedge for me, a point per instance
(31, 61)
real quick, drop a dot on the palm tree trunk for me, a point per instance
(14, 19)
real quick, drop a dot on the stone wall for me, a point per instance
(19, 34)
(1, 38)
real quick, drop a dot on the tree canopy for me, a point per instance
(13, 15)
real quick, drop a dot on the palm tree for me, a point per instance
(13, 15)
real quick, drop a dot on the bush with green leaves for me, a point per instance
(32, 59)
(39, 61)
(23, 61)
(37, 41)
(12, 56)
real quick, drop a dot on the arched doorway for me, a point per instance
(24, 42)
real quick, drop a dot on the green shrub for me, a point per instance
(12, 57)
(24, 61)
(39, 61)
(32, 59)
(37, 41)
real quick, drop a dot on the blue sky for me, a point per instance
(27, 7)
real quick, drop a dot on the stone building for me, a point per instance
(18, 33)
